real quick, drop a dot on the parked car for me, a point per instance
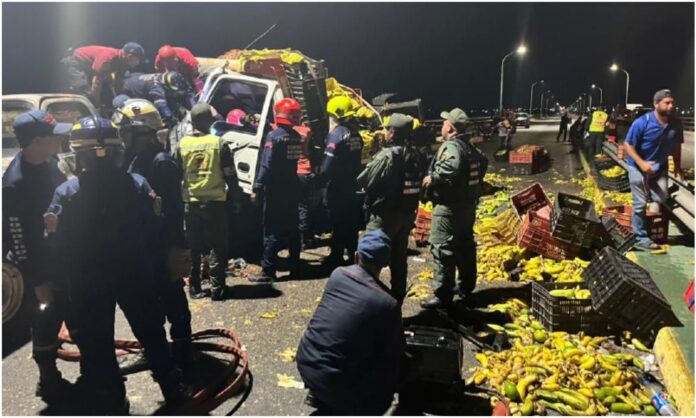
(522, 119)
(66, 108)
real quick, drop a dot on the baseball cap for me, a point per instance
(374, 248)
(455, 116)
(399, 121)
(662, 94)
(202, 117)
(34, 123)
(135, 49)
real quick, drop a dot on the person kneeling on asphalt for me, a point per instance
(650, 141)
(104, 225)
(139, 127)
(456, 174)
(209, 172)
(350, 355)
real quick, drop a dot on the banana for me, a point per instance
(496, 327)
(589, 363)
(482, 358)
(639, 345)
(571, 400)
(524, 383)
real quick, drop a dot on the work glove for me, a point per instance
(178, 262)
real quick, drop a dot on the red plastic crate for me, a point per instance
(520, 158)
(532, 198)
(658, 227)
(689, 296)
(535, 235)
(421, 234)
(622, 214)
(620, 151)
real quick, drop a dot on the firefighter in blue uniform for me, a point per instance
(339, 171)
(138, 128)
(350, 355)
(27, 189)
(454, 181)
(277, 186)
(104, 225)
(392, 181)
(168, 91)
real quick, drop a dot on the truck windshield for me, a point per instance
(67, 112)
(233, 96)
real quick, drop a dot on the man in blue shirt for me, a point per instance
(652, 138)
(350, 355)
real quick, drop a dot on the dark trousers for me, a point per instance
(304, 207)
(93, 297)
(177, 312)
(397, 226)
(279, 231)
(45, 326)
(344, 219)
(453, 249)
(562, 131)
(206, 228)
(78, 76)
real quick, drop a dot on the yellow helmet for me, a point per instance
(139, 112)
(340, 107)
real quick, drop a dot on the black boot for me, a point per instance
(195, 291)
(175, 392)
(54, 389)
(262, 277)
(183, 359)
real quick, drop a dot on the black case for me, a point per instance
(436, 354)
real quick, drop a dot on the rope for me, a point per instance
(216, 391)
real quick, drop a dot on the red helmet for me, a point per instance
(288, 112)
(166, 52)
(235, 116)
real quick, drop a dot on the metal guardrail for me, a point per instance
(681, 193)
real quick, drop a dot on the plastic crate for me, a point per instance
(421, 233)
(616, 184)
(620, 237)
(626, 295)
(532, 198)
(688, 296)
(622, 214)
(561, 314)
(657, 226)
(574, 220)
(602, 164)
(620, 149)
(535, 235)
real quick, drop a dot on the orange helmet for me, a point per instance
(166, 52)
(288, 112)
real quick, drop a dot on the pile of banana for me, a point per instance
(613, 172)
(620, 198)
(498, 180)
(571, 374)
(564, 271)
(501, 229)
(590, 191)
(489, 205)
(492, 258)
(572, 293)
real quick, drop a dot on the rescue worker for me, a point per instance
(392, 182)
(181, 60)
(169, 92)
(27, 188)
(596, 138)
(277, 187)
(104, 225)
(350, 355)
(139, 128)
(209, 172)
(456, 174)
(90, 68)
(307, 188)
(651, 140)
(339, 172)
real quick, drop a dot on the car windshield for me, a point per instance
(68, 112)
(236, 95)
(10, 110)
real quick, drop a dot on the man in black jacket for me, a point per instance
(350, 354)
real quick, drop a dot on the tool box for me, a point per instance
(436, 354)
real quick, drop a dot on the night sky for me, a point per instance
(448, 54)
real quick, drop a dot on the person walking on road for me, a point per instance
(209, 173)
(597, 127)
(563, 127)
(652, 138)
(455, 178)
(27, 188)
(392, 181)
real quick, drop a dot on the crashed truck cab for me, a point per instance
(263, 83)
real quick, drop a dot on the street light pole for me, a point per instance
(615, 67)
(541, 102)
(521, 50)
(601, 93)
(531, 95)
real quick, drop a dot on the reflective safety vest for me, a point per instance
(599, 119)
(203, 177)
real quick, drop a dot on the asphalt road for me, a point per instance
(293, 302)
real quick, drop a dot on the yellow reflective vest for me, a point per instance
(599, 119)
(203, 176)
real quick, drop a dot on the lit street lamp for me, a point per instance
(615, 68)
(601, 93)
(531, 96)
(521, 50)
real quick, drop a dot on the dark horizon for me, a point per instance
(448, 54)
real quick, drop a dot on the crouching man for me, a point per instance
(350, 354)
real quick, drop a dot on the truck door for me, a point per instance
(254, 96)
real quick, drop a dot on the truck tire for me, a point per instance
(12, 291)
